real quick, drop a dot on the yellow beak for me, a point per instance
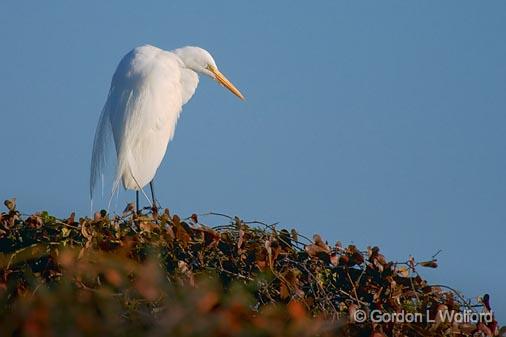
(225, 82)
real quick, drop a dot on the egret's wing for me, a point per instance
(144, 113)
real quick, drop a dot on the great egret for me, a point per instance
(147, 92)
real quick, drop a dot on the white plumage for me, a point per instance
(146, 96)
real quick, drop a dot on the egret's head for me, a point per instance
(200, 61)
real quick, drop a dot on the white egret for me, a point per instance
(146, 96)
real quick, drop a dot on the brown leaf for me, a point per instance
(34, 221)
(275, 250)
(485, 329)
(154, 212)
(186, 271)
(240, 242)
(314, 250)
(10, 204)
(284, 239)
(113, 277)
(352, 309)
(344, 260)
(284, 292)
(85, 232)
(166, 215)
(296, 310)
(146, 226)
(319, 242)
(169, 233)
(334, 259)
(377, 259)
(372, 252)
(261, 264)
(403, 271)
(208, 301)
(355, 255)
(181, 232)
(290, 284)
(429, 264)
(66, 259)
(317, 248)
(294, 235)
(71, 219)
(261, 258)
(211, 237)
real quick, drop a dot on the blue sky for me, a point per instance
(374, 123)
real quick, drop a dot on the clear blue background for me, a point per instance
(372, 122)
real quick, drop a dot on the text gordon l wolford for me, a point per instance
(466, 316)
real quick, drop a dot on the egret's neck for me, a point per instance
(196, 61)
(189, 82)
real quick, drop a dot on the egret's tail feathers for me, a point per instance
(101, 143)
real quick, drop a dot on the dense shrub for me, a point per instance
(158, 275)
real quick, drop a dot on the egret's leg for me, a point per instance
(137, 202)
(152, 193)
